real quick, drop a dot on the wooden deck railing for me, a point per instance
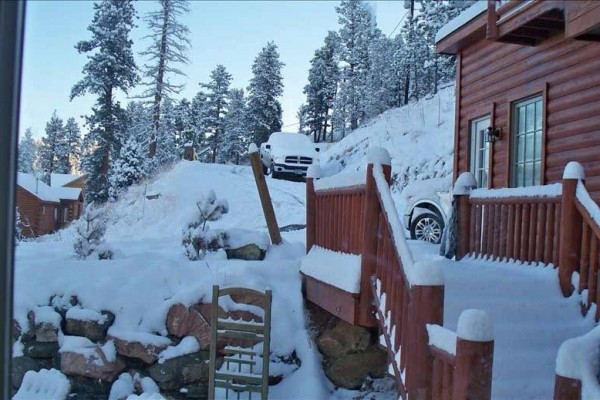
(405, 296)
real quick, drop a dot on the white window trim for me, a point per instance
(514, 161)
(475, 165)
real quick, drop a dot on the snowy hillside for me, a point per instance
(419, 137)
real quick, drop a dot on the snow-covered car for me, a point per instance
(428, 207)
(288, 154)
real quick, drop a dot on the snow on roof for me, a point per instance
(44, 192)
(57, 180)
(461, 19)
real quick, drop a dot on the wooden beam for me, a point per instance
(265, 198)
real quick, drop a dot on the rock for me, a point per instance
(92, 363)
(20, 365)
(46, 323)
(37, 349)
(16, 330)
(205, 309)
(183, 321)
(88, 389)
(350, 371)
(146, 352)
(250, 252)
(343, 339)
(198, 391)
(180, 371)
(95, 330)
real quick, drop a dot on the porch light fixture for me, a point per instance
(492, 134)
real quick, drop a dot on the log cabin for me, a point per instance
(44, 209)
(527, 91)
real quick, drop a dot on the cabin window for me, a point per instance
(43, 210)
(480, 151)
(66, 214)
(527, 141)
(55, 213)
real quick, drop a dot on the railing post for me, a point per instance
(462, 189)
(571, 224)
(569, 367)
(426, 307)
(313, 172)
(474, 356)
(566, 388)
(492, 21)
(370, 235)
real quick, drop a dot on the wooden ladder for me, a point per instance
(241, 333)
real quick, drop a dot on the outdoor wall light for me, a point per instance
(492, 134)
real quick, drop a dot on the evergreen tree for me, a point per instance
(323, 78)
(27, 153)
(184, 127)
(138, 122)
(167, 152)
(110, 68)
(52, 147)
(71, 154)
(169, 45)
(266, 86)
(128, 168)
(217, 103)
(199, 116)
(355, 35)
(381, 77)
(235, 135)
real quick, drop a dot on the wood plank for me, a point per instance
(510, 231)
(533, 212)
(540, 233)
(549, 233)
(240, 326)
(584, 261)
(334, 300)
(239, 378)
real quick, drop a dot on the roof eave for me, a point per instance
(471, 32)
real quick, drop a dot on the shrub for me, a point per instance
(198, 238)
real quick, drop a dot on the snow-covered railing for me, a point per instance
(513, 223)
(462, 361)
(577, 368)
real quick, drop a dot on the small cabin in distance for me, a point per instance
(527, 91)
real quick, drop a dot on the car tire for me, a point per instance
(427, 227)
(275, 175)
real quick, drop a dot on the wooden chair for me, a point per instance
(241, 333)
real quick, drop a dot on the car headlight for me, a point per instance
(278, 159)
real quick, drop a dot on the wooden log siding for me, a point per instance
(520, 228)
(568, 73)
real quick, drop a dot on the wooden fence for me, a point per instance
(361, 218)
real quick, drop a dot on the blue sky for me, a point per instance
(222, 32)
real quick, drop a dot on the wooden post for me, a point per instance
(474, 357)
(188, 152)
(370, 237)
(313, 173)
(566, 388)
(426, 307)
(492, 21)
(463, 234)
(265, 198)
(571, 225)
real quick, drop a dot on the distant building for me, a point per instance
(45, 209)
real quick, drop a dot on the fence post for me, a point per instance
(462, 189)
(426, 307)
(474, 356)
(313, 172)
(370, 234)
(570, 231)
(566, 388)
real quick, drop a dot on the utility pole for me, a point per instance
(410, 4)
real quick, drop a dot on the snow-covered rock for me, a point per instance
(43, 385)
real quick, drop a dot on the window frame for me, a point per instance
(514, 120)
(488, 147)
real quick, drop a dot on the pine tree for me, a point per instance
(381, 78)
(355, 35)
(110, 68)
(235, 135)
(129, 167)
(323, 78)
(266, 86)
(167, 152)
(27, 153)
(52, 147)
(169, 45)
(184, 127)
(199, 116)
(217, 103)
(138, 122)
(70, 153)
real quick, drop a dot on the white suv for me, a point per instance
(288, 154)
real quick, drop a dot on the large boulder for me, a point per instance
(37, 349)
(80, 357)
(20, 365)
(140, 345)
(186, 321)
(343, 339)
(249, 252)
(243, 244)
(351, 370)
(46, 323)
(180, 371)
(88, 323)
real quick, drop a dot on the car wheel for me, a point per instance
(275, 175)
(427, 227)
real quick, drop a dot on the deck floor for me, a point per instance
(531, 319)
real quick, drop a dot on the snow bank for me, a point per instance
(578, 359)
(82, 314)
(335, 268)
(442, 338)
(43, 385)
(341, 180)
(140, 337)
(46, 315)
(553, 190)
(237, 238)
(188, 345)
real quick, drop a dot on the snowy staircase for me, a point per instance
(531, 319)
